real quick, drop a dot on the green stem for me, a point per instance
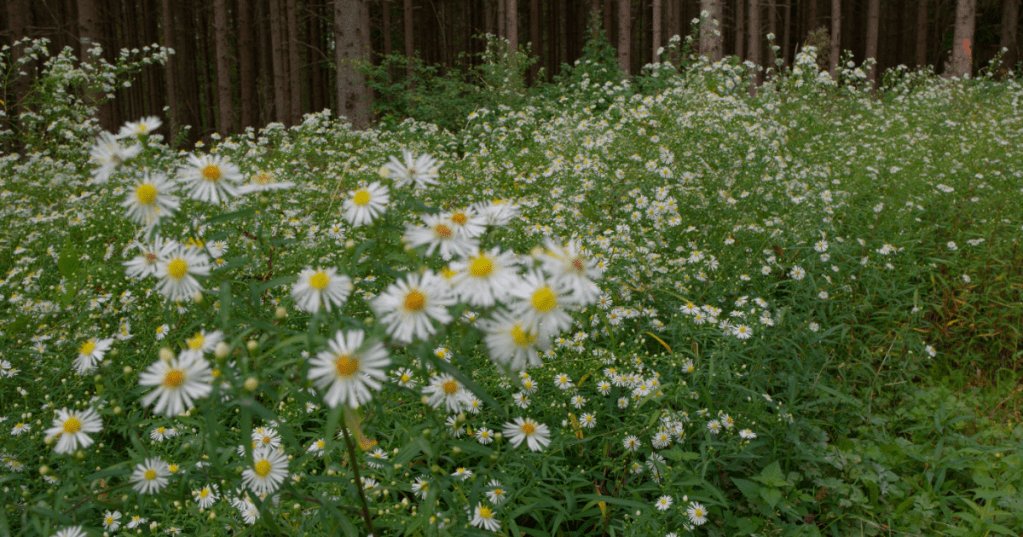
(358, 480)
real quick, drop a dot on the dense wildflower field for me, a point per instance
(663, 310)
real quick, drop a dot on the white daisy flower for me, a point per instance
(109, 154)
(420, 171)
(409, 306)
(204, 341)
(150, 199)
(264, 181)
(366, 204)
(91, 352)
(588, 420)
(177, 272)
(320, 287)
(747, 434)
(540, 305)
(348, 371)
(73, 531)
(151, 477)
(152, 254)
(178, 383)
(144, 126)
(484, 436)
(444, 389)
(496, 494)
(484, 518)
(206, 496)
(211, 179)
(512, 344)
(536, 435)
(70, 428)
(467, 223)
(484, 278)
(632, 443)
(497, 213)
(112, 520)
(571, 269)
(404, 377)
(663, 503)
(697, 513)
(439, 233)
(421, 487)
(269, 469)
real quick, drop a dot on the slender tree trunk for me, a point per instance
(710, 30)
(410, 50)
(755, 38)
(786, 30)
(502, 18)
(247, 64)
(225, 108)
(295, 64)
(512, 25)
(836, 37)
(921, 33)
(813, 15)
(873, 29)
(281, 106)
(207, 109)
(1010, 25)
(772, 28)
(386, 11)
(657, 39)
(740, 28)
(351, 40)
(562, 22)
(624, 35)
(534, 37)
(89, 32)
(962, 42)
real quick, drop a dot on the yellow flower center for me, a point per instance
(361, 198)
(459, 218)
(481, 267)
(196, 342)
(173, 468)
(442, 231)
(150, 474)
(577, 264)
(161, 430)
(178, 268)
(485, 512)
(204, 493)
(109, 520)
(415, 301)
(346, 365)
(447, 273)
(450, 387)
(87, 347)
(264, 178)
(319, 281)
(544, 299)
(72, 425)
(267, 439)
(211, 173)
(146, 193)
(528, 429)
(405, 378)
(522, 338)
(698, 512)
(174, 378)
(263, 468)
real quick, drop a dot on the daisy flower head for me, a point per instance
(349, 369)
(264, 437)
(485, 277)
(204, 341)
(632, 443)
(109, 154)
(421, 171)
(569, 267)
(177, 383)
(421, 487)
(409, 306)
(444, 389)
(111, 520)
(366, 204)
(496, 494)
(151, 254)
(70, 429)
(161, 433)
(697, 513)
(206, 496)
(484, 518)
(73, 531)
(150, 199)
(142, 127)
(404, 377)
(151, 477)
(748, 434)
(498, 213)
(663, 503)
(588, 420)
(512, 344)
(264, 181)
(536, 435)
(439, 234)
(316, 287)
(177, 272)
(90, 352)
(484, 436)
(211, 179)
(714, 426)
(268, 471)
(466, 223)
(541, 304)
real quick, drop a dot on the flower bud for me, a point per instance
(222, 350)
(280, 312)
(166, 354)
(251, 384)
(252, 345)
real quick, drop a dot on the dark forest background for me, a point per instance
(245, 63)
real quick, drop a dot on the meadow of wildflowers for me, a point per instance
(661, 308)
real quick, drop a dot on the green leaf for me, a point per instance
(772, 476)
(745, 526)
(68, 263)
(749, 489)
(231, 216)
(772, 496)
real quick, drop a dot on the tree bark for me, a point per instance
(512, 25)
(535, 47)
(225, 106)
(755, 39)
(386, 10)
(962, 42)
(502, 18)
(351, 40)
(295, 64)
(281, 105)
(786, 37)
(772, 28)
(410, 50)
(1010, 25)
(836, 37)
(740, 28)
(247, 64)
(873, 29)
(624, 37)
(89, 34)
(657, 39)
(710, 33)
(813, 15)
(921, 33)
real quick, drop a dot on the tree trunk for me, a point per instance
(962, 43)
(755, 39)
(535, 47)
(295, 64)
(281, 105)
(873, 29)
(740, 29)
(772, 28)
(410, 50)
(1010, 25)
(502, 18)
(813, 15)
(624, 37)
(710, 30)
(247, 64)
(89, 32)
(386, 10)
(921, 33)
(225, 106)
(836, 37)
(351, 40)
(786, 37)
(657, 8)
(512, 25)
